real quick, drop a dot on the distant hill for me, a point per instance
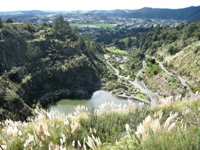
(189, 13)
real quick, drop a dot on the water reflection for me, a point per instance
(98, 98)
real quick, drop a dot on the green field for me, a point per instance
(118, 51)
(101, 25)
(106, 56)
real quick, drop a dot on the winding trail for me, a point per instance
(114, 69)
(141, 85)
(136, 83)
(183, 82)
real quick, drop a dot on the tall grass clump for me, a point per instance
(167, 130)
(53, 130)
(111, 126)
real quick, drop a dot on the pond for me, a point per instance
(99, 97)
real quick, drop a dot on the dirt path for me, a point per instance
(183, 82)
(143, 88)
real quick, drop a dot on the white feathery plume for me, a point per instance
(29, 140)
(186, 112)
(140, 130)
(158, 114)
(91, 143)
(62, 139)
(42, 129)
(3, 146)
(62, 148)
(66, 121)
(94, 130)
(172, 126)
(79, 144)
(73, 143)
(170, 119)
(90, 130)
(155, 125)
(127, 127)
(13, 130)
(74, 126)
(96, 140)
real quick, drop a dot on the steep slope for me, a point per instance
(187, 64)
(50, 63)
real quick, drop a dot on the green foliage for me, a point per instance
(153, 67)
(129, 42)
(195, 89)
(119, 44)
(109, 133)
(150, 61)
(1, 23)
(134, 62)
(118, 51)
(33, 52)
(172, 49)
(49, 62)
(191, 55)
(142, 128)
(60, 28)
(9, 20)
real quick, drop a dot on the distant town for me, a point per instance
(82, 17)
(93, 23)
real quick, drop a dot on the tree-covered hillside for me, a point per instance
(189, 13)
(44, 63)
(162, 42)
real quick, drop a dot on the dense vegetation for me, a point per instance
(44, 63)
(189, 14)
(170, 126)
(163, 43)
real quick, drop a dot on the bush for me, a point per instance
(9, 20)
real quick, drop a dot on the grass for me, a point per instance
(182, 131)
(160, 82)
(142, 96)
(170, 126)
(99, 25)
(106, 56)
(187, 63)
(117, 51)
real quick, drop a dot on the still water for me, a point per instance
(98, 98)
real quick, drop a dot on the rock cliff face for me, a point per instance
(47, 66)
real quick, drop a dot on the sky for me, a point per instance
(69, 5)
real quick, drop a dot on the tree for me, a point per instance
(171, 49)
(1, 23)
(33, 52)
(9, 20)
(61, 27)
(129, 42)
(119, 44)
